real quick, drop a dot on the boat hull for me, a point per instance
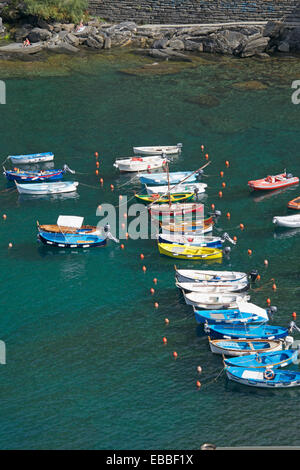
(180, 188)
(70, 242)
(282, 379)
(38, 189)
(158, 150)
(189, 253)
(32, 158)
(263, 360)
(237, 347)
(213, 242)
(246, 332)
(294, 204)
(22, 177)
(136, 164)
(289, 221)
(271, 183)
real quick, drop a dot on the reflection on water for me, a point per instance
(24, 198)
(36, 166)
(270, 194)
(284, 233)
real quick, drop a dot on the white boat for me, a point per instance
(31, 158)
(205, 289)
(197, 188)
(47, 188)
(215, 301)
(140, 163)
(158, 150)
(211, 278)
(242, 347)
(289, 221)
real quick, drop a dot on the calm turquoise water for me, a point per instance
(86, 365)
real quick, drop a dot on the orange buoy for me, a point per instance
(96, 154)
(10, 245)
(269, 301)
(266, 262)
(220, 194)
(212, 206)
(227, 163)
(202, 147)
(4, 216)
(274, 287)
(144, 269)
(235, 238)
(156, 305)
(97, 164)
(112, 187)
(198, 383)
(155, 280)
(206, 156)
(152, 290)
(258, 277)
(221, 174)
(101, 181)
(167, 321)
(199, 369)
(249, 252)
(294, 315)
(142, 256)
(97, 172)
(122, 246)
(223, 184)
(228, 215)
(175, 355)
(165, 340)
(242, 226)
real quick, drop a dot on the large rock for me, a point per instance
(95, 43)
(253, 46)
(176, 44)
(72, 39)
(292, 37)
(223, 42)
(62, 48)
(39, 35)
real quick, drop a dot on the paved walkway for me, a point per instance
(203, 25)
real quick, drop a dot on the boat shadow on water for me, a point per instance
(26, 198)
(245, 390)
(282, 233)
(270, 194)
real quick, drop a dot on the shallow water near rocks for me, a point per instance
(86, 364)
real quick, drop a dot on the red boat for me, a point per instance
(294, 203)
(274, 182)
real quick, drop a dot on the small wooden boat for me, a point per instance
(70, 233)
(158, 150)
(162, 178)
(246, 331)
(282, 180)
(196, 188)
(197, 240)
(158, 199)
(294, 203)
(262, 360)
(32, 158)
(245, 313)
(289, 221)
(268, 378)
(134, 164)
(203, 288)
(240, 347)
(189, 252)
(175, 210)
(30, 176)
(189, 228)
(222, 301)
(47, 188)
(212, 278)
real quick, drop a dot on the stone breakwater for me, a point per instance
(161, 41)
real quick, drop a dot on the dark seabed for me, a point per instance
(86, 364)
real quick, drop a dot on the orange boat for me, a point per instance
(294, 203)
(274, 182)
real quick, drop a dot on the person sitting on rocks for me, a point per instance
(79, 27)
(26, 42)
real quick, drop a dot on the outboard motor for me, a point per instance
(206, 327)
(66, 168)
(200, 173)
(293, 326)
(217, 213)
(288, 341)
(106, 228)
(227, 250)
(271, 311)
(289, 175)
(225, 236)
(196, 192)
(253, 275)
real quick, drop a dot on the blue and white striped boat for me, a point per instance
(260, 361)
(268, 378)
(32, 158)
(248, 331)
(241, 347)
(246, 312)
(193, 240)
(156, 179)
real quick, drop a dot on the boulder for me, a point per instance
(22, 33)
(72, 39)
(160, 43)
(253, 46)
(39, 35)
(293, 39)
(284, 47)
(68, 27)
(62, 48)
(107, 43)
(176, 44)
(94, 43)
(223, 42)
(272, 29)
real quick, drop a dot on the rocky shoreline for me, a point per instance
(175, 42)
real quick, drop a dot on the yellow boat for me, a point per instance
(189, 252)
(159, 199)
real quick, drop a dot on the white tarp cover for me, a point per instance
(70, 221)
(249, 374)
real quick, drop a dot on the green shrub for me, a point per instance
(57, 10)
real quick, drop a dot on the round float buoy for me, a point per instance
(96, 154)
(202, 147)
(223, 184)
(274, 287)
(122, 246)
(266, 262)
(249, 252)
(144, 269)
(258, 277)
(269, 301)
(228, 215)
(142, 256)
(206, 156)
(165, 340)
(120, 197)
(127, 235)
(156, 305)
(97, 164)
(97, 172)
(112, 187)
(175, 355)
(198, 383)
(212, 206)
(125, 215)
(10, 245)
(155, 280)
(4, 217)
(220, 194)
(101, 181)
(221, 174)
(167, 321)
(227, 163)
(294, 315)
(152, 290)
(199, 369)
(123, 225)
(235, 238)
(242, 226)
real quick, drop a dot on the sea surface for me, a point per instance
(86, 366)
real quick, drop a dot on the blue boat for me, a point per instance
(263, 360)
(23, 176)
(178, 239)
(156, 179)
(32, 158)
(240, 347)
(230, 316)
(70, 233)
(249, 331)
(267, 378)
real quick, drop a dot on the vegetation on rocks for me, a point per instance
(48, 10)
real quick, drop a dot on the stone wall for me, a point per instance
(190, 11)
